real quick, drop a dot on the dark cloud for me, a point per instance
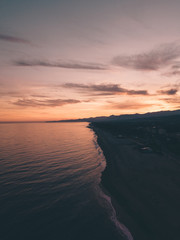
(171, 91)
(13, 39)
(59, 64)
(152, 60)
(104, 89)
(44, 103)
(127, 105)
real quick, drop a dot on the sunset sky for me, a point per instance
(66, 59)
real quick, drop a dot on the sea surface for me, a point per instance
(49, 184)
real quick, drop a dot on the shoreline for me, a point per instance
(121, 228)
(127, 180)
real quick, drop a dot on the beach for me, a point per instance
(144, 187)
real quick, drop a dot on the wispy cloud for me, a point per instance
(61, 64)
(128, 105)
(6, 93)
(173, 101)
(155, 59)
(14, 39)
(20, 94)
(39, 96)
(173, 73)
(104, 89)
(25, 102)
(174, 70)
(176, 65)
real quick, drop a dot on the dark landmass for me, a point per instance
(143, 173)
(123, 117)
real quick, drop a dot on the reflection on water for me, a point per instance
(49, 173)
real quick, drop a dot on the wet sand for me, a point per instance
(145, 188)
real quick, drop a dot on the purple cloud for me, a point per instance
(171, 91)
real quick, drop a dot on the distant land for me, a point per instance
(123, 117)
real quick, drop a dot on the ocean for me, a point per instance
(50, 177)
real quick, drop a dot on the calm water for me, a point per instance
(49, 183)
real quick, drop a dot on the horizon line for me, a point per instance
(46, 121)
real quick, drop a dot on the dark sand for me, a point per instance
(145, 188)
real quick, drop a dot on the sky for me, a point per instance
(67, 59)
